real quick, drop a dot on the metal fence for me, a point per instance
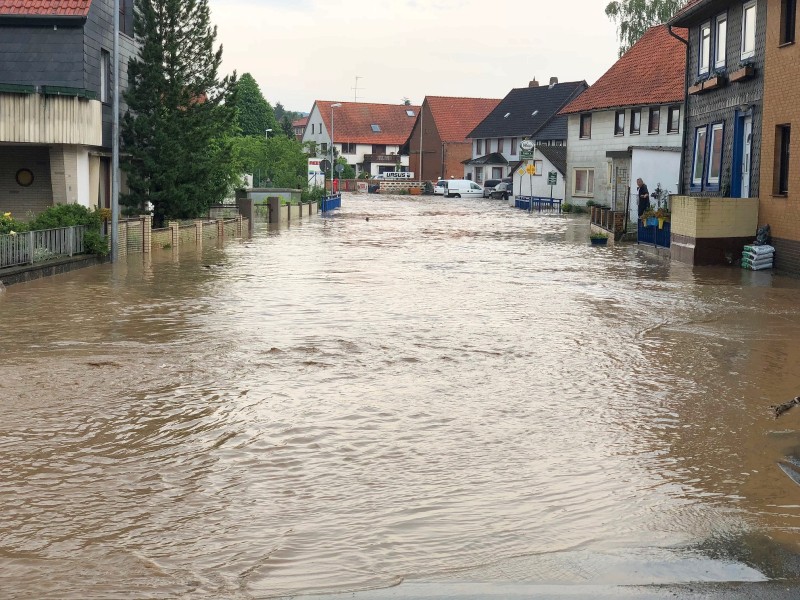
(654, 233)
(330, 203)
(537, 203)
(32, 247)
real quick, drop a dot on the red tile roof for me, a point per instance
(302, 122)
(353, 122)
(651, 72)
(456, 117)
(45, 8)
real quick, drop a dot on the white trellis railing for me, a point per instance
(30, 247)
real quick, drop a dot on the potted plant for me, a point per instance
(663, 215)
(598, 239)
(649, 218)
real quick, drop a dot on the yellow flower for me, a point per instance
(7, 215)
(12, 233)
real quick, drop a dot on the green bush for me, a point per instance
(567, 208)
(314, 194)
(95, 243)
(9, 224)
(66, 215)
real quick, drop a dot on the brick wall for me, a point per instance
(20, 200)
(781, 88)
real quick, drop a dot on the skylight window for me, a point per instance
(376, 128)
(410, 113)
(534, 113)
(506, 115)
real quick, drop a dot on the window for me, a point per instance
(375, 128)
(715, 154)
(497, 172)
(619, 123)
(379, 149)
(324, 147)
(410, 113)
(636, 121)
(584, 182)
(479, 174)
(721, 41)
(586, 126)
(513, 146)
(348, 148)
(500, 145)
(788, 12)
(674, 119)
(105, 75)
(537, 164)
(749, 29)
(704, 57)
(126, 17)
(479, 147)
(782, 138)
(655, 120)
(699, 156)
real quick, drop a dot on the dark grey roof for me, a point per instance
(556, 155)
(495, 158)
(525, 112)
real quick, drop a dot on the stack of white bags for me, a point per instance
(757, 258)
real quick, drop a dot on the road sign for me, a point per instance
(339, 168)
(526, 145)
(552, 178)
(526, 154)
(531, 169)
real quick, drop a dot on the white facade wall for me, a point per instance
(591, 153)
(536, 185)
(654, 167)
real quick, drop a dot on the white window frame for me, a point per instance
(619, 125)
(589, 191)
(721, 24)
(697, 177)
(479, 147)
(538, 165)
(749, 35)
(585, 117)
(717, 129)
(479, 174)
(704, 49)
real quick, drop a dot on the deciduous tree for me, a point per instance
(634, 17)
(177, 134)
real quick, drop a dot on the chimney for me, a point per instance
(553, 81)
(533, 83)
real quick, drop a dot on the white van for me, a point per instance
(463, 188)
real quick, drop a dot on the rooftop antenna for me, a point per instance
(355, 89)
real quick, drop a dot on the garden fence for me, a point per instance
(30, 247)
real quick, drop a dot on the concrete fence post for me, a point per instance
(220, 230)
(198, 232)
(274, 207)
(175, 232)
(122, 239)
(147, 234)
(31, 247)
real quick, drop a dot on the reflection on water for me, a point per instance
(449, 385)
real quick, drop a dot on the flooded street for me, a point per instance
(411, 389)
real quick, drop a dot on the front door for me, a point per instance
(747, 145)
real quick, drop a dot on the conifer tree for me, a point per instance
(176, 133)
(634, 17)
(254, 112)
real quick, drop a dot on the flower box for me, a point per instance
(746, 72)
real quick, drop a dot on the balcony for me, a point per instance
(46, 118)
(390, 159)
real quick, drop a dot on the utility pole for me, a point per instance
(115, 144)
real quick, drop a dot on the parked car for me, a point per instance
(463, 188)
(440, 188)
(488, 186)
(501, 191)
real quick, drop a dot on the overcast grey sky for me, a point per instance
(303, 50)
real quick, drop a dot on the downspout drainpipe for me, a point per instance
(685, 107)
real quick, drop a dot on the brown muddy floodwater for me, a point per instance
(451, 387)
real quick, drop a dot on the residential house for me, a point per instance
(369, 136)
(56, 101)
(440, 133)
(546, 160)
(529, 113)
(718, 212)
(628, 125)
(299, 128)
(779, 189)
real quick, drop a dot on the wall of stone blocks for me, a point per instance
(19, 200)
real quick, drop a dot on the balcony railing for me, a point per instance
(382, 158)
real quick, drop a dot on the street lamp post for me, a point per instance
(336, 105)
(266, 132)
